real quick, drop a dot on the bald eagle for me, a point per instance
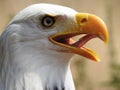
(36, 47)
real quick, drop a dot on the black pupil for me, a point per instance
(48, 20)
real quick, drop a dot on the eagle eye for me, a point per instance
(48, 21)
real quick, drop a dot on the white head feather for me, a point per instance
(28, 60)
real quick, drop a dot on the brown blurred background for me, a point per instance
(88, 75)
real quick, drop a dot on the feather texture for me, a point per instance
(28, 60)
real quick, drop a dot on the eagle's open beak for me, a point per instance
(87, 24)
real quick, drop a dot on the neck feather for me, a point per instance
(36, 70)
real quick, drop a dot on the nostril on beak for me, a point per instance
(84, 20)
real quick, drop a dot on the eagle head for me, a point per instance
(36, 47)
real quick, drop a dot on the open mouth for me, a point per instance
(77, 47)
(67, 40)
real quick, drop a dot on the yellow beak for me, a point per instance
(91, 24)
(88, 24)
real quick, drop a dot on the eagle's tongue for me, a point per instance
(83, 40)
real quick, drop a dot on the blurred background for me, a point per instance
(88, 75)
